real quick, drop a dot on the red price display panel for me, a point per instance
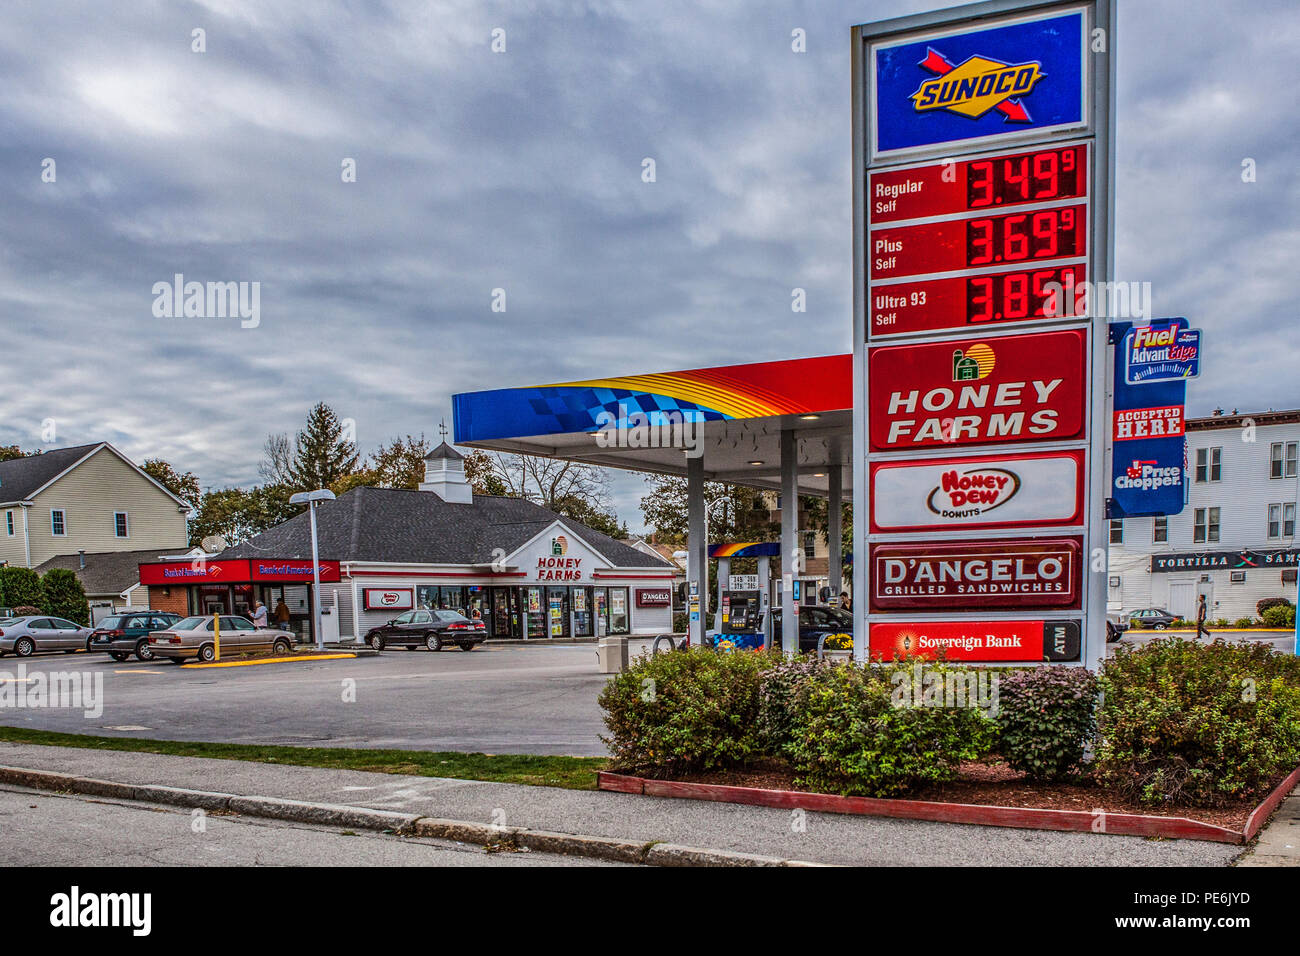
(1021, 295)
(988, 182)
(979, 242)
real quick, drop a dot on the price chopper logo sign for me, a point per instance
(969, 493)
(1148, 475)
(976, 86)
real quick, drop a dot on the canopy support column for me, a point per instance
(790, 553)
(835, 531)
(697, 544)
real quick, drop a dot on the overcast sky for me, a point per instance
(521, 171)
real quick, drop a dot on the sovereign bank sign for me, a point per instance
(981, 84)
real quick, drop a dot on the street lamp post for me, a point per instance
(311, 499)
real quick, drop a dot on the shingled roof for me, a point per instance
(20, 477)
(107, 572)
(417, 527)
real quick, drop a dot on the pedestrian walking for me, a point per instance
(1200, 618)
(259, 614)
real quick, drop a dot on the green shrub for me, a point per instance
(62, 596)
(781, 695)
(1046, 718)
(1181, 622)
(1279, 615)
(1184, 723)
(1221, 622)
(20, 587)
(1245, 622)
(850, 738)
(1264, 604)
(686, 711)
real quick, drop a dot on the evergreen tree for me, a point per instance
(63, 596)
(321, 456)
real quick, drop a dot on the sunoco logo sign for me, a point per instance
(972, 492)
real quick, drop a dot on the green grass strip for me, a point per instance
(570, 773)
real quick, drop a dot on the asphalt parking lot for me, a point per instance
(495, 699)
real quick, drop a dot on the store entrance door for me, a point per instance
(505, 613)
(557, 612)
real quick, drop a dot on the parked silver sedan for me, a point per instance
(195, 638)
(24, 636)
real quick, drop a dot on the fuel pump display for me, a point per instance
(742, 621)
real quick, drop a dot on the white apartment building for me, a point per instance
(1235, 541)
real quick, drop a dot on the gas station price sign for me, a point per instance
(952, 245)
(980, 183)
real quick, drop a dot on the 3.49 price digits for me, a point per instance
(1029, 177)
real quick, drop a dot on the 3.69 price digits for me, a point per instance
(1048, 234)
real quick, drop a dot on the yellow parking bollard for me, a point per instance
(216, 630)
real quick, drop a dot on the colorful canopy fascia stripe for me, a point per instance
(760, 390)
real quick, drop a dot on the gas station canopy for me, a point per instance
(738, 413)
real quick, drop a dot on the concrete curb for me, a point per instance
(387, 821)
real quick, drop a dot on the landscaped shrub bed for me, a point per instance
(1173, 723)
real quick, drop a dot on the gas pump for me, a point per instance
(742, 621)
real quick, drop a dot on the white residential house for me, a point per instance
(89, 498)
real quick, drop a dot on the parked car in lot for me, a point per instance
(121, 635)
(435, 629)
(24, 636)
(1116, 625)
(194, 638)
(1152, 617)
(814, 621)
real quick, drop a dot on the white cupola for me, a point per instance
(444, 475)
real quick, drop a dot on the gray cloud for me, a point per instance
(522, 171)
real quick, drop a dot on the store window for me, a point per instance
(1117, 531)
(557, 612)
(1209, 464)
(1160, 530)
(536, 615)
(1284, 459)
(618, 617)
(600, 605)
(1205, 525)
(583, 621)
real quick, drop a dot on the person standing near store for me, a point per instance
(282, 615)
(259, 614)
(1200, 618)
(845, 603)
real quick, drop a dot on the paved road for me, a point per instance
(43, 829)
(819, 837)
(496, 699)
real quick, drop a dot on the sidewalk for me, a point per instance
(813, 837)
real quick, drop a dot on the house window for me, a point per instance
(1205, 526)
(120, 524)
(9, 522)
(1209, 464)
(1160, 530)
(810, 544)
(1237, 577)
(1284, 459)
(1281, 520)
(1117, 532)
(58, 526)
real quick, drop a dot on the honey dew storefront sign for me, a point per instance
(982, 201)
